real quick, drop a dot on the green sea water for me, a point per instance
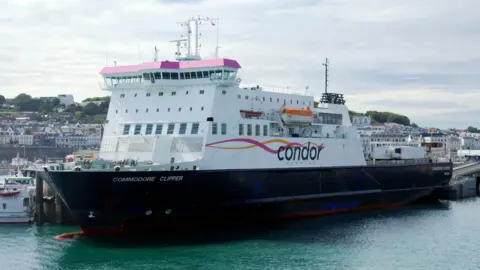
(439, 237)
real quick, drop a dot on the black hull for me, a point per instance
(175, 199)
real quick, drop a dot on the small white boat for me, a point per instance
(16, 204)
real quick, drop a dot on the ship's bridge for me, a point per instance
(170, 73)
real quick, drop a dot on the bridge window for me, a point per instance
(170, 129)
(137, 129)
(187, 75)
(257, 130)
(174, 76)
(224, 128)
(249, 130)
(149, 129)
(146, 76)
(205, 74)
(240, 129)
(182, 76)
(193, 75)
(183, 128)
(214, 128)
(126, 129)
(166, 75)
(158, 129)
(199, 75)
(157, 76)
(195, 128)
(265, 130)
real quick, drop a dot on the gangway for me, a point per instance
(467, 169)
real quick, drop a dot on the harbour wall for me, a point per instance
(31, 153)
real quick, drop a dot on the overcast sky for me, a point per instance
(420, 58)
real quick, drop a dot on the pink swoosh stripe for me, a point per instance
(254, 142)
(263, 146)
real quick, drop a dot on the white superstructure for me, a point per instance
(197, 111)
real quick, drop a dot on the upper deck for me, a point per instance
(169, 65)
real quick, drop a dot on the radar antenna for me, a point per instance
(330, 98)
(326, 74)
(191, 38)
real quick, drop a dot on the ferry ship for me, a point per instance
(187, 144)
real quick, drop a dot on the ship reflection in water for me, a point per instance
(415, 237)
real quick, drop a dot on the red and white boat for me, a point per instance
(15, 204)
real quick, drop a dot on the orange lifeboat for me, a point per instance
(297, 116)
(250, 113)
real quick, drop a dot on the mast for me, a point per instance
(190, 40)
(326, 74)
(155, 57)
(218, 46)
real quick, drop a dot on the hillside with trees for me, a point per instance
(50, 108)
(473, 130)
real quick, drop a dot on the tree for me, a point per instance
(383, 117)
(414, 125)
(91, 109)
(2, 100)
(473, 130)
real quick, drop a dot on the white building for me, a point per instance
(374, 128)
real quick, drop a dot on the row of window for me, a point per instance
(271, 100)
(157, 129)
(201, 92)
(160, 94)
(149, 129)
(328, 118)
(158, 110)
(154, 76)
(249, 130)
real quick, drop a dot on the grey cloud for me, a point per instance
(375, 46)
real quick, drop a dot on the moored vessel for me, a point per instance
(176, 153)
